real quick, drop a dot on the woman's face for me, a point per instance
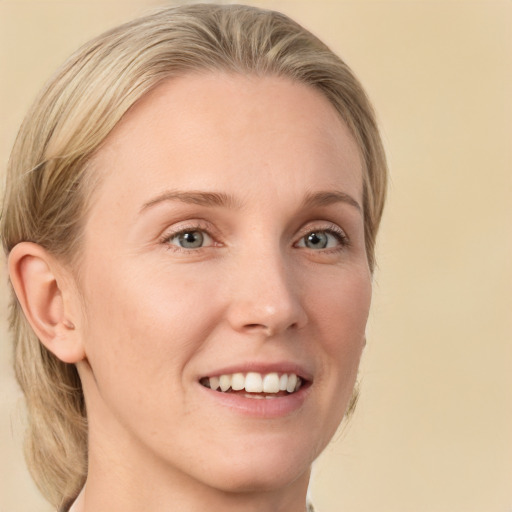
(225, 239)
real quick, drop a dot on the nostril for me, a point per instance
(258, 327)
(255, 328)
(255, 315)
(269, 330)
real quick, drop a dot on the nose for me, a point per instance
(265, 296)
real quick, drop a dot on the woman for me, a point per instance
(190, 221)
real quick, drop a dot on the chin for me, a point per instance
(260, 479)
(263, 468)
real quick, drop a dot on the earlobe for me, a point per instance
(43, 292)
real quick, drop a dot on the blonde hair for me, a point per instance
(49, 182)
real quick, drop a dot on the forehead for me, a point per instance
(210, 131)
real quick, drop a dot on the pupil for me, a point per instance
(316, 240)
(192, 239)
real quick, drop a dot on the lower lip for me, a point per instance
(264, 408)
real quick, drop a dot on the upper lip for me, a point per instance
(263, 368)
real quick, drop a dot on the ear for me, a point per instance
(45, 290)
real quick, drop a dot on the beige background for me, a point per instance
(433, 429)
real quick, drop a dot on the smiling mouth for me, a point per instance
(255, 385)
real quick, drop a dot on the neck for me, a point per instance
(123, 476)
(133, 492)
(99, 500)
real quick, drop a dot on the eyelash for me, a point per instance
(333, 230)
(168, 237)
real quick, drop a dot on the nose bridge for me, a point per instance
(266, 295)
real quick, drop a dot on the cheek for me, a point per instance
(142, 325)
(340, 310)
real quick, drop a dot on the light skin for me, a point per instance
(226, 234)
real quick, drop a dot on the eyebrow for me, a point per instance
(200, 198)
(329, 197)
(221, 199)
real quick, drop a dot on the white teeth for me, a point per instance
(225, 382)
(254, 382)
(214, 382)
(237, 381)
(271, 383)
(292, 380)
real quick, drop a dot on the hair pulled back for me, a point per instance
(49, 180)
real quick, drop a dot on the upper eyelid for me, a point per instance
(205, 226)
(328, 226)
(199, 225)
(168, 236)
(338, 234)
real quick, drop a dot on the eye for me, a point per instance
(323, 239)
(190, 239)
